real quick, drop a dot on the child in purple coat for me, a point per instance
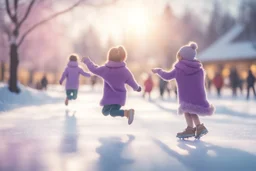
(190, 78)
(71, 73)
(115, 75)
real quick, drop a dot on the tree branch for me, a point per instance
(56, 15)
(26, 14)
(47, 19)
(16, 2)
(8, 10)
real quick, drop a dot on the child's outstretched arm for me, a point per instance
(164, 74)
(83, 73)
(64, 75)
(93, 67)
(132, 82)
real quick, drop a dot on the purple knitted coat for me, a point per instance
(71, 73)
(115, 76)
(190, 76)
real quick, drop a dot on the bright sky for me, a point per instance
(135, 15)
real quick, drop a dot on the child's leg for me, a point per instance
(200, 128)
(106, 110)
(196, 119)
(115, 110)
(74, 94)
(68, 93)
(189, 120)
(189, 131)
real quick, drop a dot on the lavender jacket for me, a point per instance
(115, 76)
(72, 73)
(190, 76)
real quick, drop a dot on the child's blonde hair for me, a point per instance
(117, 54)
(73, 57)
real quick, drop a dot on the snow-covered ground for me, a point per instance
(52, 137)
(27, 97)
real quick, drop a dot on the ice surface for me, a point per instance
(52, 137)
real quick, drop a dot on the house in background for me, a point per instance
(235, 49)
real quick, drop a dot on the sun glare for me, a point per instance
(138, 21)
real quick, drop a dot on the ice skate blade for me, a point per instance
(202, 134)
(185, 136)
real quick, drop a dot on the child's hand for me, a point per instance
(60, 82)
(139, 89)
(155, 70)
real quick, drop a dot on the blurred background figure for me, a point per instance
(250, 84)
(148, 86)
(44, 82)
(218, 82)
(176, 91)
(208, 83)
(234, 81)
(162, 87)
(93, 81)
(241, 85)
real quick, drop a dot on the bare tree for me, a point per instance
(16, 39)
(3, 44)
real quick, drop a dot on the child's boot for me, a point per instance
(187, 133)
(130, 115)
(66, 101)
(200, 131)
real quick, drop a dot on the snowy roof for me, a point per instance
(225, 49)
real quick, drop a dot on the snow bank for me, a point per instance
(28, 96)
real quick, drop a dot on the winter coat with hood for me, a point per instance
(71, 73)
(190, 78)
(115, 76)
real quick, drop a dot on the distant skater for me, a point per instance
(115, 75)
(190, 77)
(148, 86)
(218, 81)
(163, 87)
(234, 81)
(93, 81)
(71, 74)
(250, 84)
(44, 82)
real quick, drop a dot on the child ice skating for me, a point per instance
(71, 73)
(190, 78)
(115, 75)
